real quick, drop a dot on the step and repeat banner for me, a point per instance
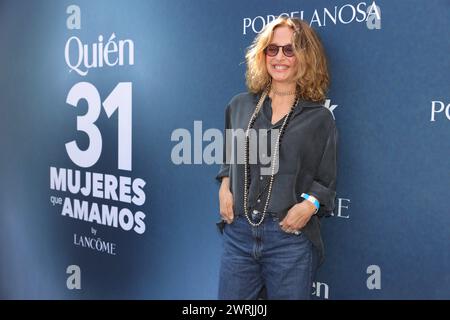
(111, 119)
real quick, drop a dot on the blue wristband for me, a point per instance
(311, 199)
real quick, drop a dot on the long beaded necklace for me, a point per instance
(274, 157)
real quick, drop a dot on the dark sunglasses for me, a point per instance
(272, 50)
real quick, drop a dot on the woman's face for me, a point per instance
(280, 67)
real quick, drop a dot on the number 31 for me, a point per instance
(119, 99)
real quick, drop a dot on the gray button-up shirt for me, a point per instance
(307, 160)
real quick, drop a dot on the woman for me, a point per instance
(270, 222)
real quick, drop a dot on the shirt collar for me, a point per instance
(266, 108)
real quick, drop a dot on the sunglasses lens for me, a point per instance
(288, 51)
(271, 50)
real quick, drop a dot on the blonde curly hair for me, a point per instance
(312, 75)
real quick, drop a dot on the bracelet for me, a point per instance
(311, 199)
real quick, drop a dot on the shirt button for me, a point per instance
(261, 178)
(259, 200)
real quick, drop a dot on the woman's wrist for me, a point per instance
(225, 185)
(312, 200)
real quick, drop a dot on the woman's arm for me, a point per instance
(324, 185)
(225, 167)
(226, 202)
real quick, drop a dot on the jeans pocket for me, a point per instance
(221, 225)
(294, 234)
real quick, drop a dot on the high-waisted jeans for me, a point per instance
(265, 257)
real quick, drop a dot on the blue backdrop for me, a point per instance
(389, 236)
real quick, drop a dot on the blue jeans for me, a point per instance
(265, 256)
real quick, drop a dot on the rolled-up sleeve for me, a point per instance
(323, 186)
(225, 166)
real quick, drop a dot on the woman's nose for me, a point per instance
(280, 53)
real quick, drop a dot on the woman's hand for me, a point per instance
(226, 201)
(297, 217)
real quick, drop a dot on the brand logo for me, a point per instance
(74, 278)
(81, 57)
(95, 243)
(345, 14)
(439, 107)
(374, 280)
(259, 142)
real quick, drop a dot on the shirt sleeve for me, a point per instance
(225, 166)
(323, 186)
